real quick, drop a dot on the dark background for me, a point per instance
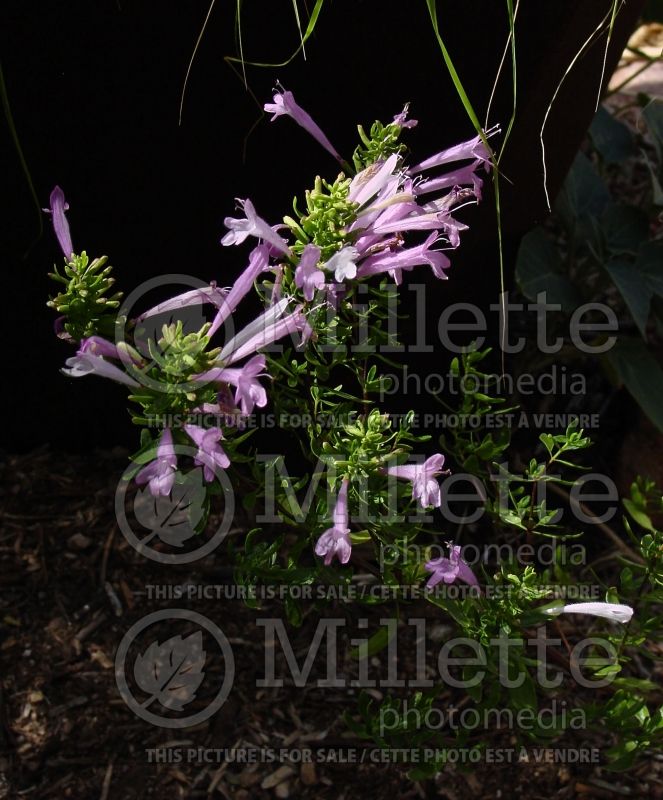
(94, 90)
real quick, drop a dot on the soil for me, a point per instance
(73, 586)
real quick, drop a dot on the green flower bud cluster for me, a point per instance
(325, 220)
(179, 355)
(83, 301)
(378, 146)
(176, 357)
(366, 442)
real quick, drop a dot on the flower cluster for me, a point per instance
(356, 226)
(326, 276)
(379, 218)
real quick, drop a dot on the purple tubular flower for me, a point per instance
(308, 277)
(60, 332)
(372, 180)
(284, 105)
(206, 294)
(249, 392)
(305, 329)
(369, 242)
(57, 211)
(258, 262)
(405, 259)
(465, 176)
(252, 225)
(401, 119)
(450, 569)
(473, 148)
(99, 347)
(424, 486)
(210, 455)
(270, 326)
(435, 220)
(88, 363)
(335, 541)
(276, 288)
(396, 199)
(160, 473)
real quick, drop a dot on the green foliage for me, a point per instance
(598, 248)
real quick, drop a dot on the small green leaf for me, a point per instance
(638, 515)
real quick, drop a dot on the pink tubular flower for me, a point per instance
(284, 105)
(252, 225)
(210, 455)
(394, 261)
(308, 277)
(99, 346)
(335, 541)
(249, 392)
(206, 294)
(373, 180)
(474, 148)
(450, 569)
(160, 473)
(89, 363)
(424, 486)
(92, 359)
(401, 119)
(258, 262)
(270, 326)
(434, 220)
(464, 176)
(57, 211)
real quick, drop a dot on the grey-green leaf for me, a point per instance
(612, 139)
(584, 194)
(538, 269)
(624, 228)
(633, 287)
(642, 375)
(653, 114)
(650, 264)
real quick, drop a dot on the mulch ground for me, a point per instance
(72, 587)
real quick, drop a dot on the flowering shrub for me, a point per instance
(328, 279)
